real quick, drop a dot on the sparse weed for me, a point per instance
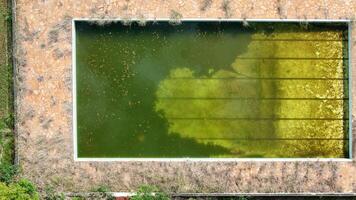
(142, 21)
(51, 194)
(304, 24)
(175, 18)
(103, 193)
(245, 23)
(103, 22)
(147, 192)
(205, 5)
(226, 8)
(126, 21)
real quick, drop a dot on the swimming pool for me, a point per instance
(212, 90)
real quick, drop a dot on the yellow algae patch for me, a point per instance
(283, 97)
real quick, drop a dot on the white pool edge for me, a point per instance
(74, 92)
(129, 194)
(215, 19)
(213, 159)
(349, 38)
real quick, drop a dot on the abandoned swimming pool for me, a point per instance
(212, 90)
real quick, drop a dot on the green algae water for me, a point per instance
(212, 90)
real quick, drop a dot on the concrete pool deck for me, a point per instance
(43, 64)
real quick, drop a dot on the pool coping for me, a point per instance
(74, 96)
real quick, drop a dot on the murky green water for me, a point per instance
(212, 90)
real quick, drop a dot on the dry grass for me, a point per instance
(205, 5)
(226, 8)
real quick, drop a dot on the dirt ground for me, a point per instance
(43, 35)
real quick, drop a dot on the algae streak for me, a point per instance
(284, 97)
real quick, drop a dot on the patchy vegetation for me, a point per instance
(21, 190)
(6, 116)
(6, 140)
(10, 186)
(147, 192)
(5, 69)
(102, 193)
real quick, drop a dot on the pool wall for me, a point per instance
(44, 105)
